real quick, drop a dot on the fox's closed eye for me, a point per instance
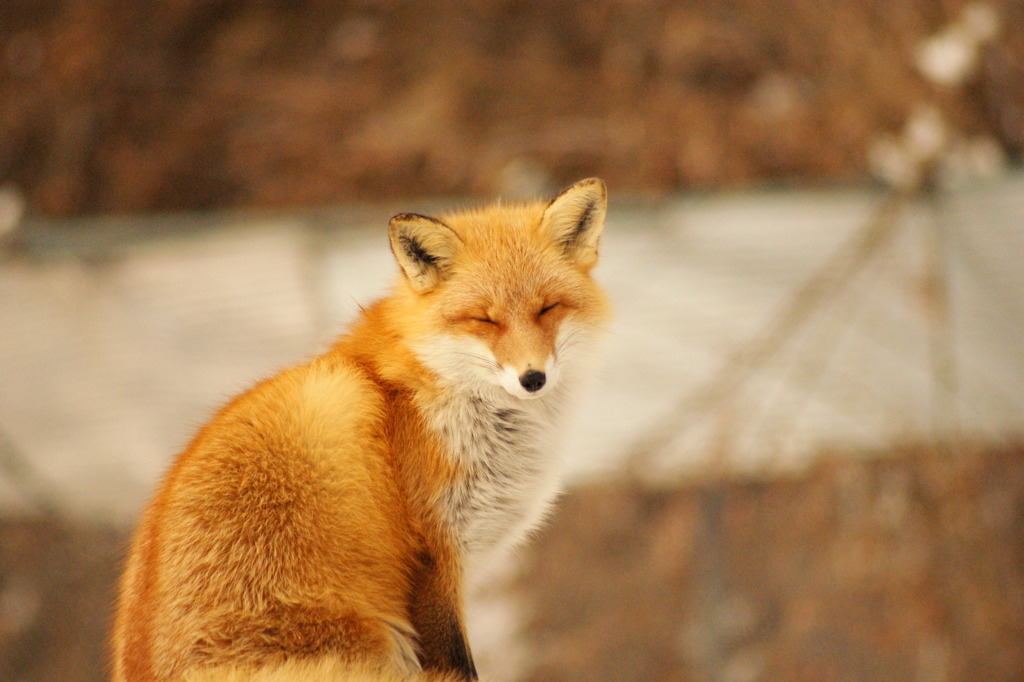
(485, 320)
(547, 308)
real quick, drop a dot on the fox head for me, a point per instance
(502, 296)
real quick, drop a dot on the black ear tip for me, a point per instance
(596, 183)
(400, 219)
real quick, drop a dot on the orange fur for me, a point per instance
(324, 520)
(310, 670)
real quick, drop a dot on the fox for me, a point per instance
(325, 523)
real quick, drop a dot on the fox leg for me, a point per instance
(435, 612)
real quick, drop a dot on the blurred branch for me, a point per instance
(828, 280)
(25, 478)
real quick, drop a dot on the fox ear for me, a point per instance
(575, 218)
(423, 247)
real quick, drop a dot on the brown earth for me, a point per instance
(119, 105)
(905, 568)
(56, 596)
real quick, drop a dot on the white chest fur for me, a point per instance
(505, 450)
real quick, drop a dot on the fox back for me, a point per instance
(333, 512)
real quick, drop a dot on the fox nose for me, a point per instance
(532, 380)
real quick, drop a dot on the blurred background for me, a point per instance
(804, 459)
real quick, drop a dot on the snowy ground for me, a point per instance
(114, 347)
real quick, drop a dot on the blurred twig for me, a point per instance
(940, 327)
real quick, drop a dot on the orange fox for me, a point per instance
(326, 519)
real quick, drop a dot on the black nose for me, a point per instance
(532, 380)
